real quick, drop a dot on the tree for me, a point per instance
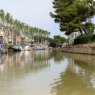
(13, 27)
(72, 15)
(57, 41)
(2, 20)
(52, 43)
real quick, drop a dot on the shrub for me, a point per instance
(82, 39)
(93, 38)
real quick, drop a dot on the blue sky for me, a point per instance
(32, 12)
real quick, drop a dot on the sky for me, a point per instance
(34, 13)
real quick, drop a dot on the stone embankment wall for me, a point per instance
(81, 49)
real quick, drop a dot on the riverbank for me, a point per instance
(81, 49)
(81, 58)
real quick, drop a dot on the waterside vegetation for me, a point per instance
(57, 41)
(13, 32)
(75, 16)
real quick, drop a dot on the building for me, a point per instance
(72, 36)
(1, 36)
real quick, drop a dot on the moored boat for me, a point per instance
(3, 49)
(40, 47)
(16, 48)
(26, 48)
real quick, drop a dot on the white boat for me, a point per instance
(26, 48)
(40, 47)
(17, 48)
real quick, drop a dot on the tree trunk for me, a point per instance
(84, 30)
(80, 31)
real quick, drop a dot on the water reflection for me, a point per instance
(2, 58)
(47, 73)
(78, 78)
(24, 62)
(58, 56)
(28, 73)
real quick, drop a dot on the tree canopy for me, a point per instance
(57, 41)
(15, 27)
(73, 15)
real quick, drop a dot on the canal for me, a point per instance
(47, 73)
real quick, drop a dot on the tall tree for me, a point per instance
(72, 15)
(14, 27)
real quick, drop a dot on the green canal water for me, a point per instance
(47, 73)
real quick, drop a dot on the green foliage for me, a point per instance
(90, 28)
(84, 39)
(73, 14)
(52, 43)
(14, 26)
(57, 41)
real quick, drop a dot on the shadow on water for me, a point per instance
(78, 78)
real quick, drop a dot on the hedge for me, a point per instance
(82, 39)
